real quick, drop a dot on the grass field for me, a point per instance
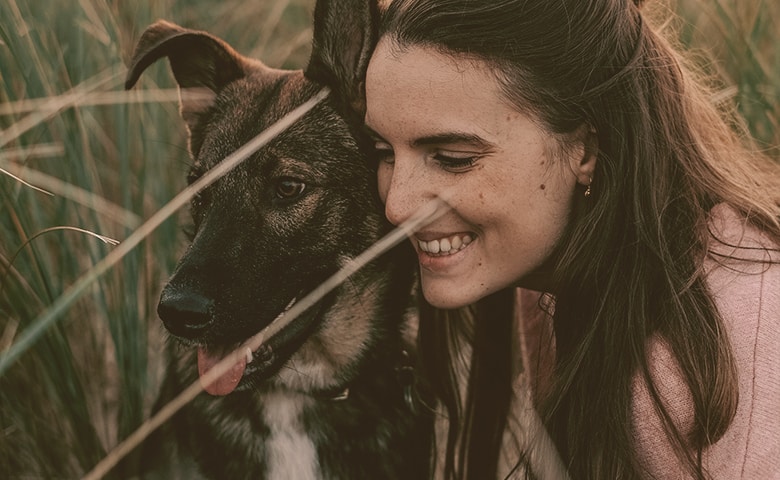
(103, 161)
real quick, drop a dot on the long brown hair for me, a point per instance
(630, 264)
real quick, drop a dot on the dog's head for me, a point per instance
(285, 219)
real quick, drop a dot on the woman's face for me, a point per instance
(442, 129)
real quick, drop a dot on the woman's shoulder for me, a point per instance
(743, 275)
(742, 271)
(733, 237)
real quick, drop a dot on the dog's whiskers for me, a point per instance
(290, 365)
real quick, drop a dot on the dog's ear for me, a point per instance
(202, 65)
(344, 37)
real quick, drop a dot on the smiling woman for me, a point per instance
(610, 252)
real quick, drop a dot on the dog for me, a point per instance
(329, 396)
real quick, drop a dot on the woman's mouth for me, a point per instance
(445, 245)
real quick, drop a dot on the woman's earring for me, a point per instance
(587, 190)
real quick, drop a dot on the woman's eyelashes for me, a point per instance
(451, 161)
(383, 152)
(455, 161)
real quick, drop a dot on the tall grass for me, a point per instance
(738, 42)
(89, 380)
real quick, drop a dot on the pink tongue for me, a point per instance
(226, 382)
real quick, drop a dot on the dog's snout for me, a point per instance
(185, 314)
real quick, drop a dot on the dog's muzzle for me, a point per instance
(185, 314)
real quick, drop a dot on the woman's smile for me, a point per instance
(442, 253)
(443, 245)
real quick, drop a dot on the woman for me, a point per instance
(579, 158)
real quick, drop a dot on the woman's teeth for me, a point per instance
(445, 246)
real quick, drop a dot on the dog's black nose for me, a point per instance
(185, 314)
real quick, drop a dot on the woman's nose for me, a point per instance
(402, 187)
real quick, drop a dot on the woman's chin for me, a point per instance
(440, 296)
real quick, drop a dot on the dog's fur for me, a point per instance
(268, 232)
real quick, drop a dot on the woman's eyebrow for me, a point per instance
(440, 139)
(453, 138)
(371, 133)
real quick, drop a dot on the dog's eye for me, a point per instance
(287, 188)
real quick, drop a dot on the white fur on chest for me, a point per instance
(289, 450)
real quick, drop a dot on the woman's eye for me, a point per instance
(456, 161)
(383, 152)
(288, 187)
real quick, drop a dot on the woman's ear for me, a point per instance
(584, 163)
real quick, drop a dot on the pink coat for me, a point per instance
(747, 295)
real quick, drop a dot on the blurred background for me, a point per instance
(82, 163)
